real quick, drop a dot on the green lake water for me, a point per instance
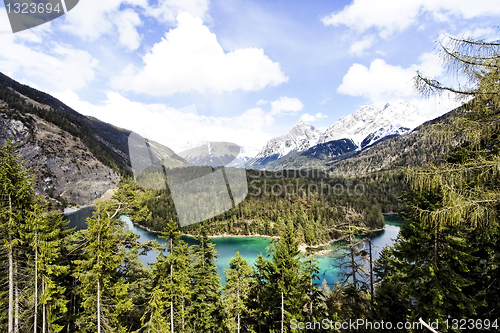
(251, 247)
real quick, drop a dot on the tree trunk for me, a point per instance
(98, 284)
(11, 275)
(16, 300)
(311, 297)
(36, 286)
(353, 268)
(98, 307)
(183, 314)
(371, 272)
(172, 286)
(11, 291)
(238, 306)
(282, 312)
(44, 309)
(435, 247)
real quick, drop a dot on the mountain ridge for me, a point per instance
(75, 159)
(301, 137)
(366, 127)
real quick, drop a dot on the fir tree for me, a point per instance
(236, 290)
(205, 308)
(17, 197)
(103, 292)
(171, 284)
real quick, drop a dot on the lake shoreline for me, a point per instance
(194, 236)
(250, 246)
(302, 247)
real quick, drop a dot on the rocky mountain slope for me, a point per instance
(415, 148)
(369, 119)
(61, 163)
(357, 131)
(383, 134)
(300, 138)
(107, 142)
(74, 158)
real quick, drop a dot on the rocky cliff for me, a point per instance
(61, 164)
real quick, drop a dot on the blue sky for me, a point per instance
(240, 71)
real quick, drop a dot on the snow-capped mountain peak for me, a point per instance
(383, 134)
(368, 119)
(301, 137)
(365, 127)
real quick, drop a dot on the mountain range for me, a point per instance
(76, 159)
(358, 131)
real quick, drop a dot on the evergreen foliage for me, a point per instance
(445, 261)
(315, 215)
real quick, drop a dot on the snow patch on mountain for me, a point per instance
(369, 119)
(383, 133)
(300, 138)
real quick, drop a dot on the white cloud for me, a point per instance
(189, 58)
(91, 19)
(175, 128)
(286, 105)
(63, 68)
(306, 117)
(381, 83)
(261, 102)
(127, 22)
(254, 118)
(358, 47)
(168, 10)
(389, 16)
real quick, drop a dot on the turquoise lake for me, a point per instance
(251, 247)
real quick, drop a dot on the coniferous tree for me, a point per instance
(236, 291)
(448, 249)
(45, 234)
(17, 197)
(171, 285)
(283, 293)
(103, 291)
(315, 295)
(205, 305)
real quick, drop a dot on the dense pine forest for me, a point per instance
(443, 268)
(315, 203)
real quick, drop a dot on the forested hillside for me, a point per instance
(107, 143)
(315, 203)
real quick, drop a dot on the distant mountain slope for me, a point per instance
(364, 128)
(368, 119)
(383, 134)
(300, 138)
(108, 143)
(331, 149)
(385, 149)
(72, 156)
(62, 165)
(416, 148)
